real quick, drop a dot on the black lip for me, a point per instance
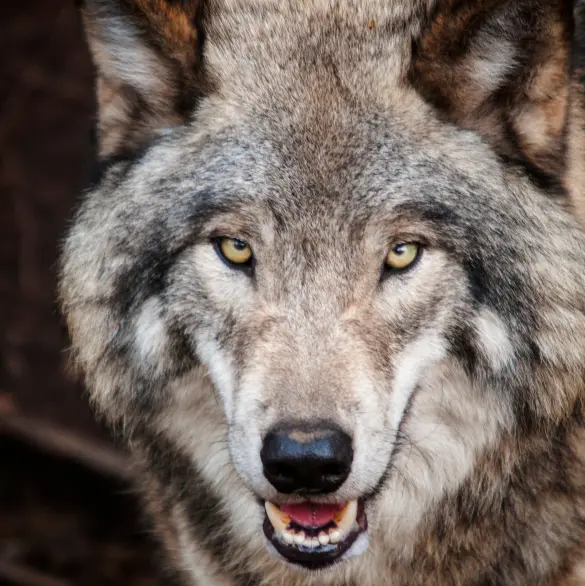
(316, 558)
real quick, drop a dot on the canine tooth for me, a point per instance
(278, 519)
(288, 537)
(299, 537)
(323, 538)
(334, 536)
(348, 517)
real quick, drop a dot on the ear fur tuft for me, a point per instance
(148, 55)
(503, 68)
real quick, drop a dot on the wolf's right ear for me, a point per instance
(148, 59)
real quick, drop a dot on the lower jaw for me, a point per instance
(317, 557)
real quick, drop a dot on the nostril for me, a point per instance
(280, 470)
(333, 470)
(311, 459)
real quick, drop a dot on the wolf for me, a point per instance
(328, 284)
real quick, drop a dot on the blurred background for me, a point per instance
(67, 512)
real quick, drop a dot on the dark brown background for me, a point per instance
(67, 515)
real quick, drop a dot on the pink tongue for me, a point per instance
(311, 514)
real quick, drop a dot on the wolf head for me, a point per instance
(337, 238)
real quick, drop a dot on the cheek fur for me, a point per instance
(221, 371)
(150, 334)
(494, 339)
(417, 357)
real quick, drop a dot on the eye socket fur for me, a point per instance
(402, 257)
(234, 252)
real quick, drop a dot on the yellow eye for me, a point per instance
(402, 255)
(234, 251)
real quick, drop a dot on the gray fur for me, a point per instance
(461, 381)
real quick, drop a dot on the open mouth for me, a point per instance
(314, 535)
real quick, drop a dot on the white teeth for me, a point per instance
(334, 536)
(347, 518)
(299, 537)
(345, 521)
(278, 519)
(288, 537)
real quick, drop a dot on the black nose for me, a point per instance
(306, 459)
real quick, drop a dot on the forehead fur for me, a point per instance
(508, 68)
(304, 50)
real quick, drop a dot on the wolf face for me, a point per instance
(310, 284)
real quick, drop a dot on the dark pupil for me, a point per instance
(400, 249)
(239, 245)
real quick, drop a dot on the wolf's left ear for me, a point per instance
(148, 59)
(504, 69)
